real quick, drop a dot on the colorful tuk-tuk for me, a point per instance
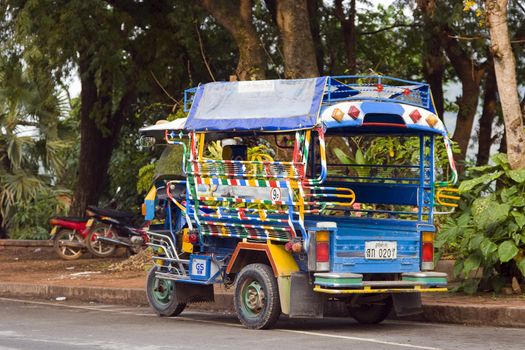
(288, 197)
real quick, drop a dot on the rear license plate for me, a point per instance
(54, 230)
(380, 250)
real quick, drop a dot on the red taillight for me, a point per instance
(427, 254)
(323, 251)
(193, 238)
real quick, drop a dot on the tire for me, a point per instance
(100, 249)
(66, 236)
(256, 298)
(371, 313)
(162, 295)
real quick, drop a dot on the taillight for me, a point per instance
(427, 251)
(322, 250)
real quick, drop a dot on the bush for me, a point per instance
(488, 230)
(31, 219)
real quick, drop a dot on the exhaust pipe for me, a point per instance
(113, 241)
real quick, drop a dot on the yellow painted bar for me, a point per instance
(151, 194)
(201, 145)
(367, 289)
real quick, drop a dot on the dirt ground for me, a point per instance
(42, 266)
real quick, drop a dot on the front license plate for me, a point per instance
(381, 250)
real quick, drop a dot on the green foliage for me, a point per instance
(30, 220)
(145, 178)
(488, 230)
(30, 164)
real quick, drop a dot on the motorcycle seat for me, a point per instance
(70, 218)
(111, 213)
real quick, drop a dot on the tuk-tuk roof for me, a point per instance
(159, 129)
(261, 105)
(372, 117)
(365, 104)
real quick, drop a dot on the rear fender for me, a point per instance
(281, 261)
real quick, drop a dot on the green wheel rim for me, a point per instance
(252, 299)
(162, 291)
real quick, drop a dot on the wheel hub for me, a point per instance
(254, 297)
(162, 290)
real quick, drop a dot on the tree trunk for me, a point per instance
(98, 135)
(236, 17)
(505, 68)
(349, 33)
(298, 47)
(469, 73)
(490, 104)
(315, 28)
(3, 230)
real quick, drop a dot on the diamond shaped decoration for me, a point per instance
(431, 120)
(354, 112)
(338, 114)
(415, 115)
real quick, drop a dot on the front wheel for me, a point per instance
(162, 295)
(99, 248)
(371, 312)
(256, 298)
(68, 244)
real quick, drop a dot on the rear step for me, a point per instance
(355, 280)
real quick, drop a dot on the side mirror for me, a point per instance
(147, 141)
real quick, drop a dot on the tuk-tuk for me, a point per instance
(289, 198)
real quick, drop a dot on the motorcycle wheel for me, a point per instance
(96, 247)
(65, 252)
(162, 295)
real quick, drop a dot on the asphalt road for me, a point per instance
(40, 325)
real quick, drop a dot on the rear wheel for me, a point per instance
(68, 244)
(162, 295)
(99, 248)
(256, 297)
(372, 312)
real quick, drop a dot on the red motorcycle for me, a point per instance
(69, 234)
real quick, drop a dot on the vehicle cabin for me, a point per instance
(303, 191)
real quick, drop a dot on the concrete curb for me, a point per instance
(480, 315)
(440, 312)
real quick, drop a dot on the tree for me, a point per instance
(433, 58)
(28, 163)
(236, 17)
(347, 20)
(299, 55)
(505, 69)
(470, 72)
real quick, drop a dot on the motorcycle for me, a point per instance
(68, 234)
(108, 229)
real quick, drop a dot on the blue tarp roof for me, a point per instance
(262, 105)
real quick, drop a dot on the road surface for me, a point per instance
(38, 325)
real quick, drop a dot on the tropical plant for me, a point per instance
(488, 230)
(30, 151)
